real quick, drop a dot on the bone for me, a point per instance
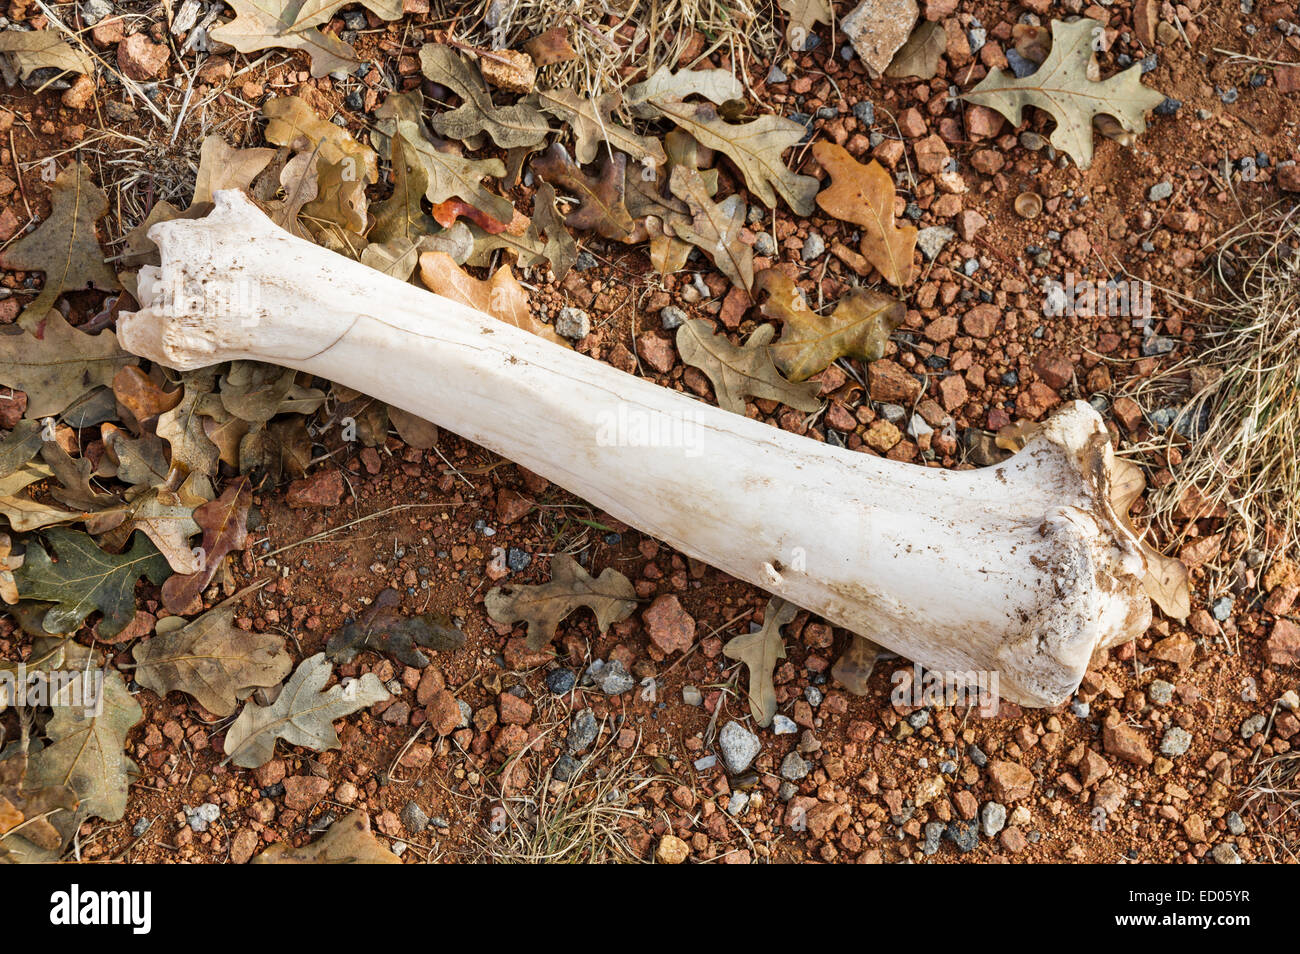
(1023, 568)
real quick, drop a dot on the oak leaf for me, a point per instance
(43, 49)
(543, 606)
(291, 119)
(859, 327)
(303, 714)
(1063, 87)
(600, 198)
(348, 841)
(56, 364)
(714, 227)
(759, 652)
(592, 122)
(801, 18)
(268, 24)
(717, 86)
(510, 127)
(211, 659)
(224, 523)
(28, 812)
(919, 56)
(864, 195)
(385, 629)
(500, 296)
(740, 372)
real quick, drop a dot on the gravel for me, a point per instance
(864, 112)
(200, 818)
(977, 755)
(1221, 608)
(794, 768)
(560, 681)
(692, 696)
(813, 247)
(764, 245)
(583, 730)
(565, 767)
(573, 323)
(932, 240)
(414, 818)
(1252, 725)
(739, 747)
(1160, 191)
(783, 725)
(933, 837)
(993, 818)
(613, 678)
(1176, 741)
(672, 317)
(1160, 692)
(965, 835)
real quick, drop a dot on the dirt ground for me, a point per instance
(1097, 787)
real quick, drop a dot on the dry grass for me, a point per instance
(1272, 796)
(617, 39)
(1237, 400)
(580, 821)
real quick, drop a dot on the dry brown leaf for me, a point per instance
(802, 16)
(714, 227)
(759, 652)
(500, 296)
(290, 119)
(858, 327)
(269, 24)
(348, 842)
(224, 523)
(543, 606)
(39, 49)
(741, 372)
(600, 199)
(591, 121)
(56, 364)
(864, 195)
(550, 47)
(919, 56)
(509, 127)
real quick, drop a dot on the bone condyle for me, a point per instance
(1024, 568)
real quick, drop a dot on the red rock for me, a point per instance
(1288, 78)
(982, 122)
(969, 223)
(242, 846)
(108, 32)
(1076, 244)
(670, 627)
(1036, 400)
(514, 711)
(79, 94)
(216, 69)
(1288, 178)
(931, 155)
(952, 392)
(890, 384)
(941, 329)
(519, 656)
(509, 740)
(734, 307)
(321, 490)
(1178, 649)
(301, 792)
(1283, 646)
(1092, 769)
(140, 58)
(1125, 742)
(987, 161)
(1055, 371)
(1201, 550)
(981, 321)
(9, 224)
(656, 352)
(511, 506)
(911, 123)
(1127, 412)
(1010, 781)
(936, 10)
(430, 682)
(443, 713)
(1013, 840)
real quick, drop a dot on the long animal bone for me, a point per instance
(1023, 569)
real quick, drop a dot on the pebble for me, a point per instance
(865, 112)
(1169, 107)
(993, 818)
(1159, 191)
(200, 818)
(739, 747)
(140, 827)
(1225, 853)
(92, 11)
(414, 818)
(932, 240)
(673, 317)
(764, 245)
(517, 559)
(794, 768)
(692, 696)
(738, 802)
(565, 767)
(585, 261)
(813, 695)
(1221, 608)
(784, 725)
(965, 835)
(1160, 692)
(1177, 740)
(1032, 141)
(614, 679)
(1229, 95)
(1236, 826)
(706, 763)
(813, 247)
(572, 323)
(583, 730)
(1021, 66)
(1254, 724)
(560, 681)
(977, 755)
(776, 75)
(933, 837)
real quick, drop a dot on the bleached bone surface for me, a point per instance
(1022, 568)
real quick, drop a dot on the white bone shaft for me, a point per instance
(1022, 568)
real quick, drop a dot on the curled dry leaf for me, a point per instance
(714, 227)
(448, 175)
(303, 714)
(349, 841)
(550, 47)
(510, 127)
(272, 24)
(28, 811)
(759, 652)
(182, 427)
(384, 629)
(740, 372)
(211, 659)
(543, 606)
(717, 86)
(859, 327)
(500, 296)
(56, 364)
(9, 561)
(853, 669)
(224, 523)
(1063, 87)
(864, 195)
(802, 17)
(86, 579)
(1166, 580)
(140, 398)
(400, 216)
(754, 147)
(601, 207)
(290, 120)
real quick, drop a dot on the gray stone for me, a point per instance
(739, 747)
(692, 696)
(1225, 853)
(977, 755)
(813, 247)
(200, 818)
(737, 803)
(672, 317)
(583, 730)
(864, 112)
(1020, 65)
(1236, 826)
(614, 679)
(794, 768)
(1160, 191)
(1221, 608)
(560, 681)
(764, 244)
(965, 835)
(932, 240)
(1160, 692)
(993, 818)
(572, 323)
(1177, 740)
(933, 837)
(878, 28)
(92, 11)
(414, 818)
(1254, 724)
(783, 725)
(565, 767)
